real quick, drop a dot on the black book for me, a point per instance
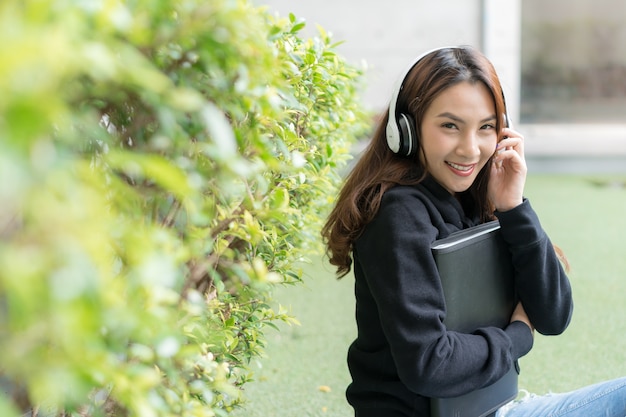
(478, 285)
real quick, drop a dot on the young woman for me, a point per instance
(441, 160)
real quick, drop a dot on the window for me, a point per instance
(573, 61)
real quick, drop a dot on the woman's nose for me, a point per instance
(468, 146)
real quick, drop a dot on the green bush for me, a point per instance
(162, 165)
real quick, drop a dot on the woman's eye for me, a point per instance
(488, 126)
(449, 125)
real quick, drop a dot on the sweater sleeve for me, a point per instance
(542, 284)
(401, 275)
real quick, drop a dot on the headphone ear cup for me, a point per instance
(408, 135)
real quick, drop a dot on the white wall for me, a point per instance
(387, 35)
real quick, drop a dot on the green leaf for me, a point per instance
(279, 199)
(297, 27)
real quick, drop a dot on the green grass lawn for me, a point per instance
(305, 374)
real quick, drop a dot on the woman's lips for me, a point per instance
(462, 170)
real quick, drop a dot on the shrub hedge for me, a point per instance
(163, 164)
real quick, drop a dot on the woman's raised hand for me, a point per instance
(508, 171)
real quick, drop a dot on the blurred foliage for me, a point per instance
(163, 164)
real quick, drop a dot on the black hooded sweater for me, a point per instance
(403, 353)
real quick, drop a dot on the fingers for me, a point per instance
(505, 150)
(510, 146)
(513, 140)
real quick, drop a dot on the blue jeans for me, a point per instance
(606, 399)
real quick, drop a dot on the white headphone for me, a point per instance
(401, 130)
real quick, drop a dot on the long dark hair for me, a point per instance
(379, 169)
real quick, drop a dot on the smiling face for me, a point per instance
(458, 135)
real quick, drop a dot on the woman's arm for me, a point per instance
(541, 282)
(543, 287)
